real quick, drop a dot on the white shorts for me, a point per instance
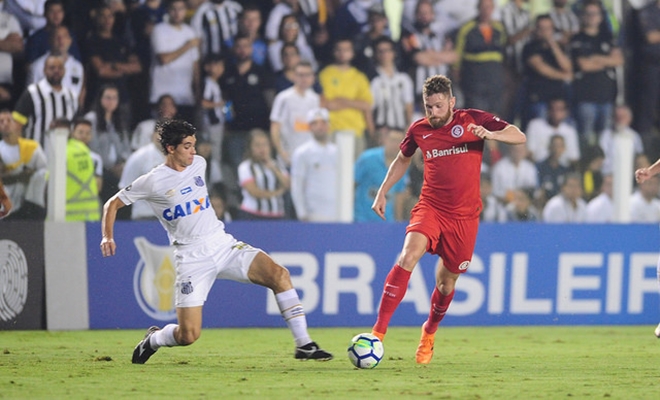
(198, 265)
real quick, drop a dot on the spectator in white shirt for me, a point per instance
(176, 55)
(644, 203)
(139, 163)
(622, 120)
(289, 128)
(164, 110)
(568, 206)
(11, 45)
(601, 208)
(493, 210)
(540, 130)
(314, 173)
(512, 172)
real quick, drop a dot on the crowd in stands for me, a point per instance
(269, 84)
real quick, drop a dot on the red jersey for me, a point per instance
(452, 161)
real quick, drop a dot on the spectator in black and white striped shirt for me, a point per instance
(565, 21)
(392, 90)
(45, 101)
(427, 50)
(216, 22)
(519, 28)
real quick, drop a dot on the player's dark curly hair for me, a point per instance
(172, 132)
(437, 84)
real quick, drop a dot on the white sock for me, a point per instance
(163, 337)
(294, 315)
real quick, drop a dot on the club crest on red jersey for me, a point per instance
(457, 131)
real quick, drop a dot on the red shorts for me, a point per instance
(452, 239)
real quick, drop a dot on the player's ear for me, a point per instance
(452, 102)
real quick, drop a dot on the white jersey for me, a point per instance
(600, 209)
(508, 176)
(8, 25)
(539, 132)
(560, 210)
(314, 181)
(139, 163)
(642, 210)
(290, 110)
(167, 38)
(180, 201)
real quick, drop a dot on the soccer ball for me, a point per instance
(365, 351)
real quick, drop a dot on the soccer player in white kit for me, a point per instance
(642, 175)
(204, 252)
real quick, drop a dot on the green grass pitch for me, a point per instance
(621, 362)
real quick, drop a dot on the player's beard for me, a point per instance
(54, 80)
(438, 122)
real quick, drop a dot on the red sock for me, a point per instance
(396, 285)
(439, 305)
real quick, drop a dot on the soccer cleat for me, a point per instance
(312, 351)
(424, 352)
(657, 331)
(380, 336)
(143, 349)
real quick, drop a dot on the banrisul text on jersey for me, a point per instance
(446, 152)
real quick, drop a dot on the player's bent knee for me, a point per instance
(186, 338)
(280, 278)
(266, 272)
(282, 274)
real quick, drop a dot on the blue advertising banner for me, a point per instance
(520, 274)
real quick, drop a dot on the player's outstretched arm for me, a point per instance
(643, 174)
(108, 246)
(396, 171)
(509, 135)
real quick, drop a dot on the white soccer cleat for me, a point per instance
(657, 331)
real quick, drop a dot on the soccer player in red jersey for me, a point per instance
(445, 220)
